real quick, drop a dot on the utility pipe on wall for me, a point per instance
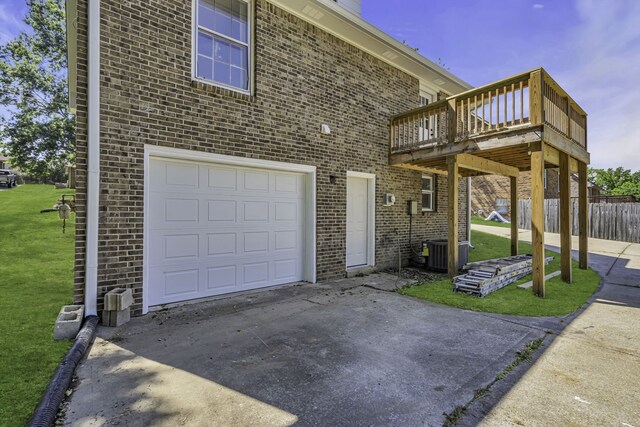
(93, 160)
(469, 210)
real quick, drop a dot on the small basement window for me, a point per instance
(222, 43)
(428, 193)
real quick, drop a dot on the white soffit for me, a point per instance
(338, 21)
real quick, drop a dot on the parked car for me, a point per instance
(7, 178)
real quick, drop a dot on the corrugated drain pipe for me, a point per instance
(45, 414)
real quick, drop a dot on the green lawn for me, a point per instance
(475, 219)
(35, 281)
(560, 298)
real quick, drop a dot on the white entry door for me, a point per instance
(216, 229)
(357, 221)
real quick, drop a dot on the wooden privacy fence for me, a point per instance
(610, 221)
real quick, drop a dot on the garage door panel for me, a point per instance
(222, 211)
(255, 273)
(181, 175)
(286, 269)
(222, 178)
(240, 229)
(286, 239)
(256, 241)
(288, 184)
(255, 211)
(181, 282)
(182, 246)
(181, 210)
(286, 211)
(174, 176)
(223, 278)
(221, 244)
(255, 181)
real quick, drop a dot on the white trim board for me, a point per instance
(152, 151)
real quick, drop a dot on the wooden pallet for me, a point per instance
(485, 277)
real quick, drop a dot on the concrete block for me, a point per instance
(68, 322)
(118, 299)
(116, 318)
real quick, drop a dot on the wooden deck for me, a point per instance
(523, 123)
(499, 122)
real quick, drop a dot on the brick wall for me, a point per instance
(303, 77)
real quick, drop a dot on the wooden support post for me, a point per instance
(452, 121)
(452, 178)
(514, 216)
(565, 217)
(537, 220)
(583, 216)
(535, 97)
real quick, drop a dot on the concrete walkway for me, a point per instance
(590, 374)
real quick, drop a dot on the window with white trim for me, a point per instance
(427, 97)
(222, 38)
(428, 193)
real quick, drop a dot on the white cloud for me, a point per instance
(602, 75)
(9, 19)
(10, 23)
(538, 6)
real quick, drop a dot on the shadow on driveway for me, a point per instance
(335, 353)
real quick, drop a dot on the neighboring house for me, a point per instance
(224, 146)
(4, 162)
(491, 192)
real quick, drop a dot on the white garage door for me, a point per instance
(215, 229)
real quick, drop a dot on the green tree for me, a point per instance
(36, 129)
(628, 188)
(609, 179)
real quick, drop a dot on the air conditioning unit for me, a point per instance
(389, 199)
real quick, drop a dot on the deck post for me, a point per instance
(535, 97)
(514, 216)
(452, 179)
(565, 218)
(452, 121)
(537, 220)
(583, 216)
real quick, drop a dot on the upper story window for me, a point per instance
(427, 97)
(223, 45)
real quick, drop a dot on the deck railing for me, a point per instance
(531, 98)
(493, 107)
(421, 126)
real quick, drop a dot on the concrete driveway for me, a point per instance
(347, 352)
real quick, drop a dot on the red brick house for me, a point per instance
(230, 145)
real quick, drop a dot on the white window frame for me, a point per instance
(249, 44)
(429, 96)
(432, 192)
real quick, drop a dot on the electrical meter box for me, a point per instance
(412, 207)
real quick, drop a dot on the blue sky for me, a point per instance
(590, 47)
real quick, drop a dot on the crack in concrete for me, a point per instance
(617, 258)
